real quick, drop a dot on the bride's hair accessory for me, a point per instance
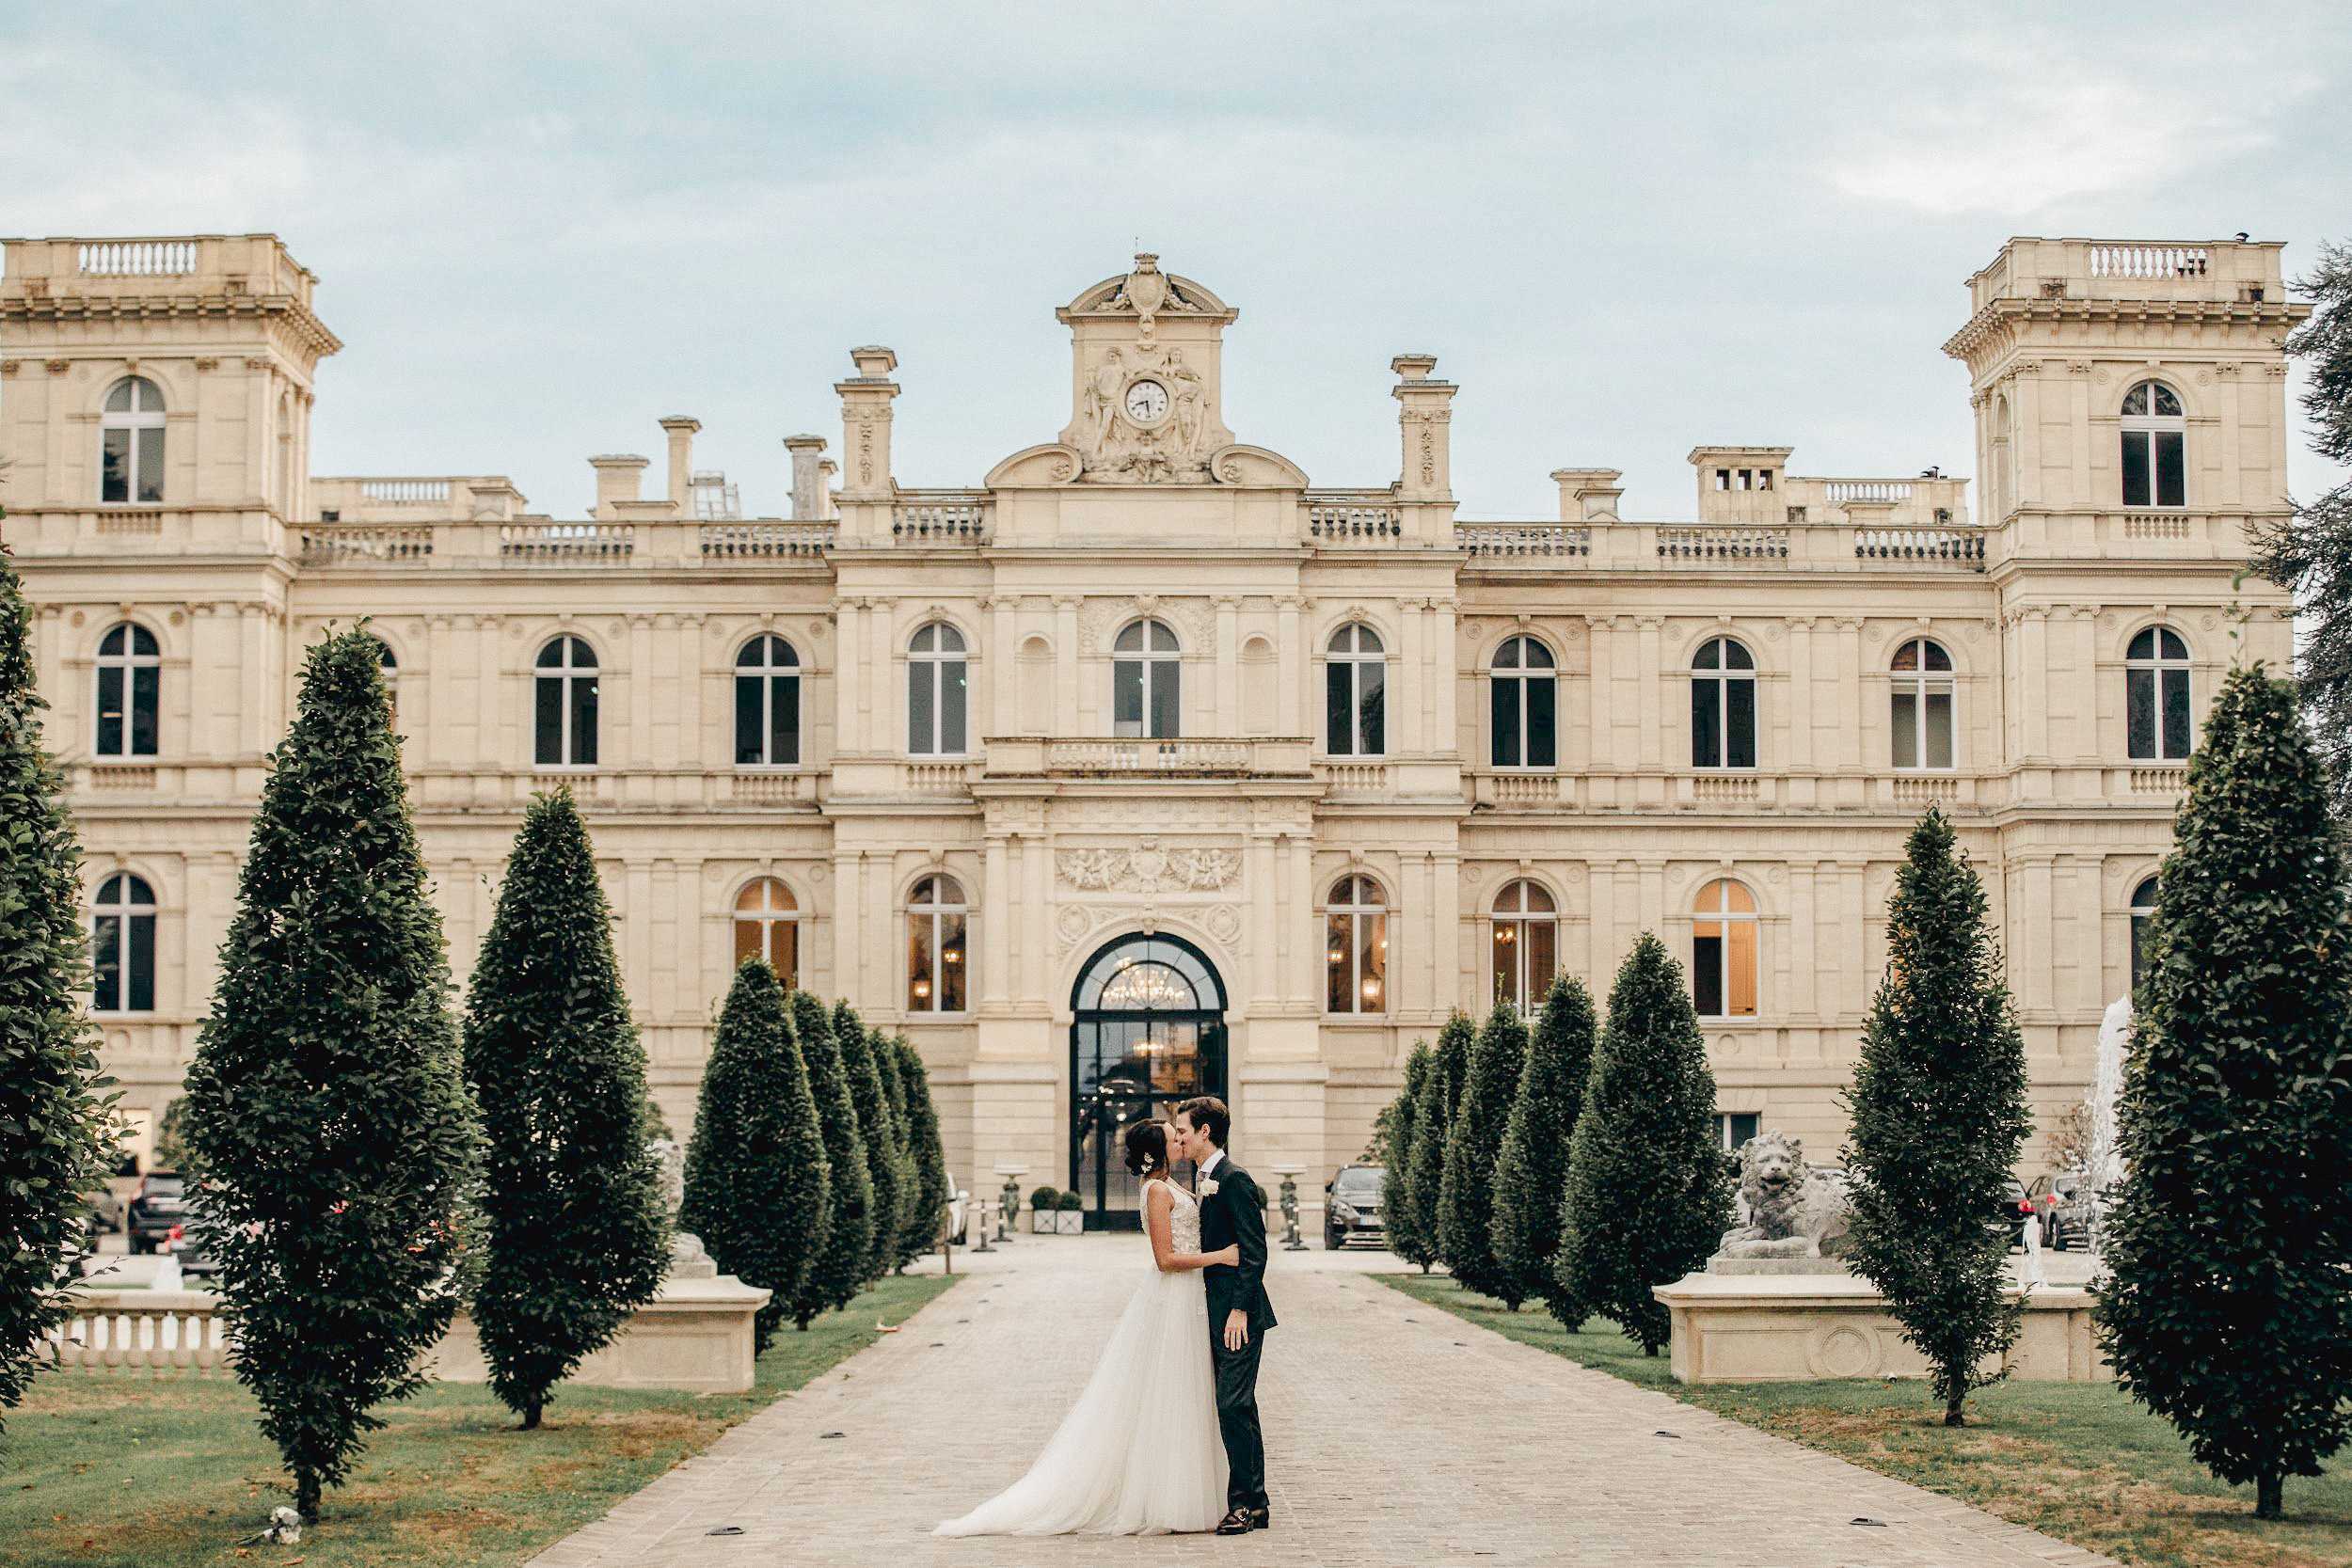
(1146, 1147)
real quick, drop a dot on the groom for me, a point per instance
(1233, 1214)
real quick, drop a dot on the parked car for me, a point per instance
(1351, 1212)
(2065, 1201)
(160, 1203)
(105, 1210)
(187, 1242)
(2013, 1209)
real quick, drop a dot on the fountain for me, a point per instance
(2105, 1161)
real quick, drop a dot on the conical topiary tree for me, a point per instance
(1937, 1116)
(53, 1104)
(328, 1123)
(849, 1241)
(1647, 1199)
(2227, 1311)
(576, 1230)
(1474, 1144)
(927, 1216)
(1400, 1215)
(887, 1165)
(1433, 1114)
(1531, 1179)
(759, 1191)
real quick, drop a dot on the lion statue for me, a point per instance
(1792, 1211)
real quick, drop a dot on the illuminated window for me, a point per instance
(1722, 952)
(1355, 942)
(938, 947)
(768, 927)
(1526, 944)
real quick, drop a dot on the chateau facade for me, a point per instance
(1147, 766)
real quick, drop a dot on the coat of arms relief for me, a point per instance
(1146, 867)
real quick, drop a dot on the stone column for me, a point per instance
(1445, 660)
(996, 924)
(867, 489)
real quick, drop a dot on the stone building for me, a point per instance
(1147, 764)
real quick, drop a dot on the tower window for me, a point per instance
(2156, 440)
(131, 442)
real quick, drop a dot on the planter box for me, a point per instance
(1070, 1222)
(1041, 1222)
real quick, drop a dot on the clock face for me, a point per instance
(1147, 403)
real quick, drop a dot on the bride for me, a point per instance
(1138, 1454)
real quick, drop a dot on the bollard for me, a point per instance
(980, 1222)
(1291, 1241)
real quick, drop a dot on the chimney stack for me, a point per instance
(808, 478)
(1588, 494)
(680, 429)
(1423, 415)
(618, 477)
(866, 399)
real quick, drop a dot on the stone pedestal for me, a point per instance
(695, 1335)
(1778, 1319)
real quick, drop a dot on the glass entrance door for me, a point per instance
(1148, 1034)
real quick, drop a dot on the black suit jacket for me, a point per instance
(1234, 1215)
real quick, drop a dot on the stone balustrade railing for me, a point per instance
(1920, 545)
(764, 540)
(1843, 490)
(1350, 522)
(1514, 541)
(1728, 543)
(948, 517)
(152, 1330)
(136, 258)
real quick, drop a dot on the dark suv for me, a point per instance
(160, 1203)
(1351, 1212)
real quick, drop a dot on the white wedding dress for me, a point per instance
(1138, 1454)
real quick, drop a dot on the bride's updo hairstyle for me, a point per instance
(1147, 1149)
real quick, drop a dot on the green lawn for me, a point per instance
(2077, 1461)
(164, 1470)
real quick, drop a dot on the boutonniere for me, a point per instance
(1208, 1186)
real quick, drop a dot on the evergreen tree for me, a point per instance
(849, 1241)
(1473, 1144)
(329, 1124)
(1531, 1179)
(887, 1165)
(1433, 1114)
(759, 1191)
(2310, 550)
(1648, 1199)
(576, 1234)
(1399, 1213)
(928, 1214)
(1938, 1118)
(53, 1109)
(2228, 1310)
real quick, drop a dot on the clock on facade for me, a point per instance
(1147, 403)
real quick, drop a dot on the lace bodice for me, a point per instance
(1184, 1218)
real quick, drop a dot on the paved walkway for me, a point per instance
(1396, 1436)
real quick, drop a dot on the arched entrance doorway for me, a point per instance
(1147, 1031)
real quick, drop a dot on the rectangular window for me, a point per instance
(1707, 967)
(1738, 1127)
(951, 707)
(114, 469)
(547, 723)
(1372, 963)
(1707, 740)
(1740, 734)
(1763, 478)
(1372, 709)
(106, 964)
(1905, 716)
(1166, 701)
(1740, 937)
(783, 951)
(1339, 708)
(2172, 464)
(1339, 981)
(920, 977)
(2176, 713)
(922, 698)
(1939, 729)
(151, 466)
(1503, 706)
(110, 714)
(142, 998)
(750, 744)
(784, 726)
(1723, 479)
(146, 707)
(583, 720)
(1543, 957)
(1542, 742)
(747, 944)
(2140, 713)
(1127, 697)
(2136, 467)
(1506, 945)
(951, 965)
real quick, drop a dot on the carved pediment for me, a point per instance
(1255, 467)
(1050, 463)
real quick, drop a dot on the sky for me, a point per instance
(1624, 230)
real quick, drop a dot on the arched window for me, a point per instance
(131, 437)
(1520, 701)
(1922, 711)
(130, 692)
(937, 948)
(2156, 695)
(936, 679)
(1355, 696)
(387, 665)
(122, 946)
(767, 704)
(2143, 909)
(566, 717)
(768, 927)
(1723, 951)
(1356, 967)
(2155, 447)
(1722, 706)
(1526, 943)
(1146, 683)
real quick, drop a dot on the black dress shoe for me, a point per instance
(1241, 1521)
(1261, 1518)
